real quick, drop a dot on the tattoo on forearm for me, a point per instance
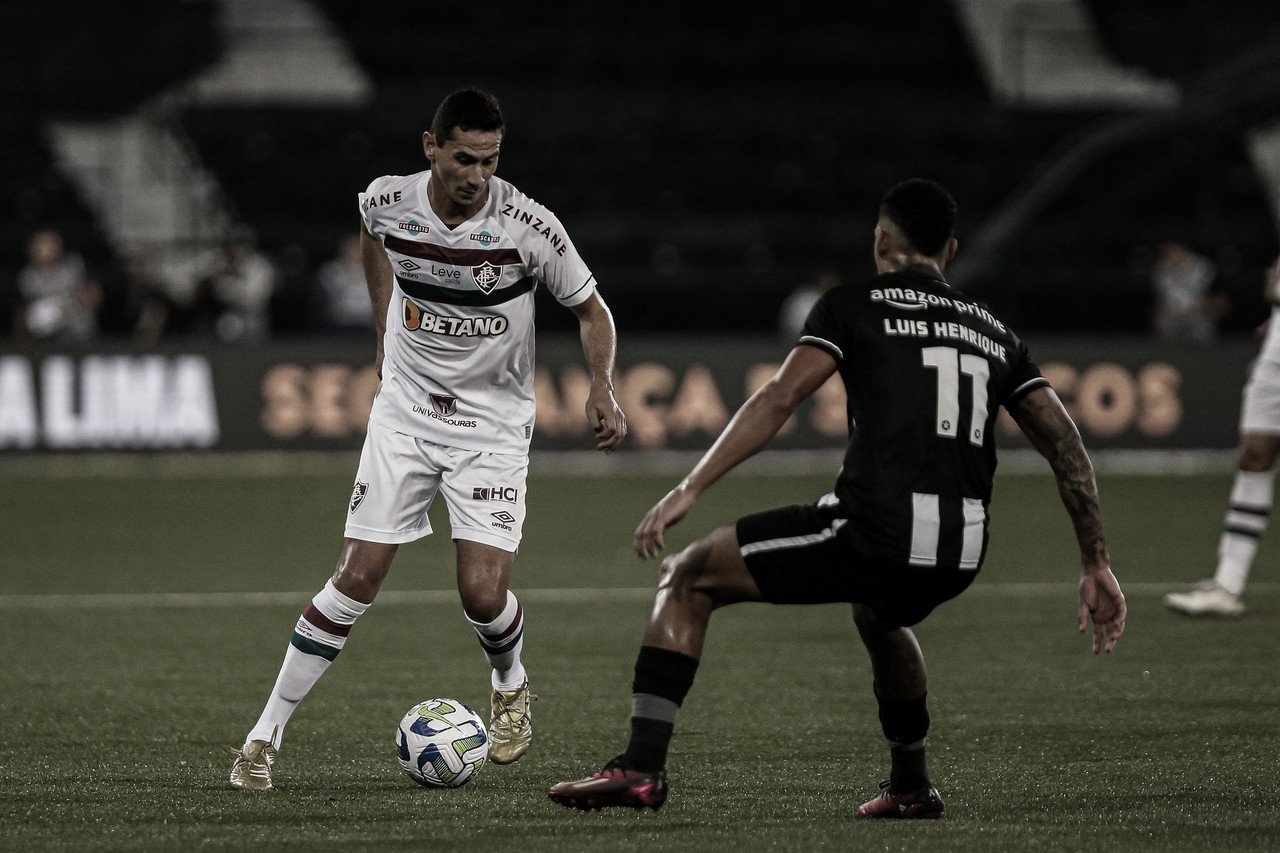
(1056, 438)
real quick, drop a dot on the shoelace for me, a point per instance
(508, 708)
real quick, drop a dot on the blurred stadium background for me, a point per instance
(709, 160)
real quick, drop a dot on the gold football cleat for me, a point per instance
(510, 724)
(251, 770)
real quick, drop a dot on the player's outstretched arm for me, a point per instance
(1051, 431)
(751, 428)
(377, 277)
(600, 346)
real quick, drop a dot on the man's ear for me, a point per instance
(883, 242)
(429, 146)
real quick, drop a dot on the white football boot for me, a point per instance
(1205, 599)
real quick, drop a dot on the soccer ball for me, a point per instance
(442, 743)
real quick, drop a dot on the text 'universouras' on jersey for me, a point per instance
(907, 299)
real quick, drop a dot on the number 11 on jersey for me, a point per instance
(949, 364)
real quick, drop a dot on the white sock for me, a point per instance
(1247, 513)
(502, 640)
(320, 634)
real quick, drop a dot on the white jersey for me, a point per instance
(1271, 342)
(458, 363)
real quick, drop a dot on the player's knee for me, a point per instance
(682, 572)
(1256, 457)
(361, 568)
(482, 602)
(864, 618)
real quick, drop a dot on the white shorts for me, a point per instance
(399, 476)
(1260, 412)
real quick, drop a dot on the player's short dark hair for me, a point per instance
(924, 211)
(466, 109)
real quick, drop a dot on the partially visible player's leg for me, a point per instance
(901, 689)
(485, 493)
(1248, 510)
(496, 614)
(319, 635)
(322, 629)
(395, 484)
(708, 574)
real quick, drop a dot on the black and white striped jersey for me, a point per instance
(926, 370)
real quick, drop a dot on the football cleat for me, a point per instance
(922, 804)
(1206, 598)
(614, 785)
(510, 724)
(251, 771)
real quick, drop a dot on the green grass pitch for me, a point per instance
(116, 701)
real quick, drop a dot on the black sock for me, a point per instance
(909, 769)
(662, 679)
(905, 725)
(647, 749)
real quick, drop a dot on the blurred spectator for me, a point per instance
(1185, 309)
(795, 308)
(341, 297)
(153, 313)
(237, 294)
(56, 296)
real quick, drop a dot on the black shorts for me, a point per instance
(796, 556)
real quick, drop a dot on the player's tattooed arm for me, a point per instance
(1053, 434)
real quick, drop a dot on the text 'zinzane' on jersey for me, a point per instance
(417, 319)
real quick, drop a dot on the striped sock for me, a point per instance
(320, 634)
(1247, 514)
(502, 640)
(662, 680)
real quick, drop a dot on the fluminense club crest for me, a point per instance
(357, 495)
(444, 404)
(486, 276)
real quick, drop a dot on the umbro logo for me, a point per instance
(409, 265)
(504, 516)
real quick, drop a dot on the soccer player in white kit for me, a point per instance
(1252, 493)
(452, 256)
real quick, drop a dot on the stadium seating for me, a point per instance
(707, 158)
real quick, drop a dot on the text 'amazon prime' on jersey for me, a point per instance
(908, 299)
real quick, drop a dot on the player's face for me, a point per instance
(461, 167)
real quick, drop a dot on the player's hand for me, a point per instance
(665, 513)
(606, 418)
(1102, 602)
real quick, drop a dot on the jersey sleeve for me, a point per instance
(368, 211)
(555, 260)
(827, 326)
(1024, 377)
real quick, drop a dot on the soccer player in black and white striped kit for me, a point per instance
(926, 370)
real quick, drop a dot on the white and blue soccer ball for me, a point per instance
(442, 743)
